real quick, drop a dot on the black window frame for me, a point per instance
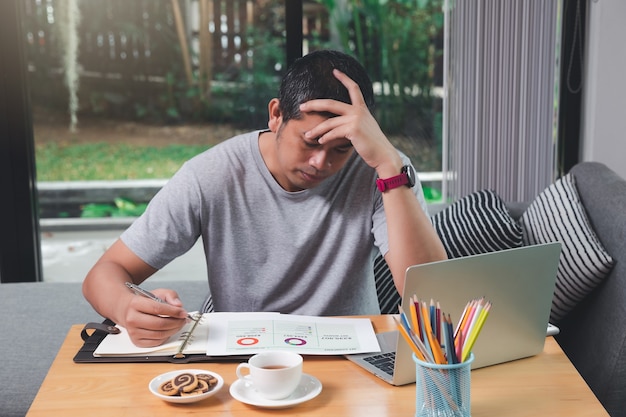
(20, 248)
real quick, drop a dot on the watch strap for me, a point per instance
(392, 182)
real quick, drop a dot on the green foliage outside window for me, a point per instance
(396, 40)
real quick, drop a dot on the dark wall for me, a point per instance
(571, 83)
(19, 222)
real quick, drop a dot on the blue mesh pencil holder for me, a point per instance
(442, 390)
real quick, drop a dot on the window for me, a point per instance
(132, 67)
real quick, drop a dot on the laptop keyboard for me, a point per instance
(383, 361)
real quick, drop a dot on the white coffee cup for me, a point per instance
(274, 374)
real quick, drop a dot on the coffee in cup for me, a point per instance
(274, 374)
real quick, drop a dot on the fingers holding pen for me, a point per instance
(151, 323)
(161, 296)
(160, 309)
(148, 326)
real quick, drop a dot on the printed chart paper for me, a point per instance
(249, 333)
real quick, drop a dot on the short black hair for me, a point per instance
(311, 77)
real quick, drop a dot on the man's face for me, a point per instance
(303, 163)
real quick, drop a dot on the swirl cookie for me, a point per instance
(185, 382)
(202, 387)
(210, 380)
(167, 388)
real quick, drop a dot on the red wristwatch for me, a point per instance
(406, 177)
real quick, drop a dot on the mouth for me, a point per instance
(312, 177)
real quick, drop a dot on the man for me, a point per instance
(291, 218)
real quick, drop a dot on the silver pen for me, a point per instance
(140, 291)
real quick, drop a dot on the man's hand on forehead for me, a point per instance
(353, 122)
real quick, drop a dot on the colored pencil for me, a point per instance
(471, 338)
(431, 334)
(435, 347)
(409, 341)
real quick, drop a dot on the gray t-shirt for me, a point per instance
(308, 252)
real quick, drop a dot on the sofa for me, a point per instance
(593, 334)
(593, 331)
(37, 316)
(586, 211)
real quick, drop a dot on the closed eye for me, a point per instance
(344, 148)
(313, 144)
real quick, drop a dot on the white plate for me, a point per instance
(157, 381)
(309, 388)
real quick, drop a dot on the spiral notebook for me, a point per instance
(191, 339)
(111, 343)
(217, 336)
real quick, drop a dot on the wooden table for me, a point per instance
(544, 385)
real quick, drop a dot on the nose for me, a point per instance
(320, 160)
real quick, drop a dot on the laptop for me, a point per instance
(519, 283)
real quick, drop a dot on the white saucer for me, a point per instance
(309, 388)
(158, 380)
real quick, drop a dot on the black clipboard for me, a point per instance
(101, 330)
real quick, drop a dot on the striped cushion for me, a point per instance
(557, 215)
(477, 223)
(388, 297)
(207, 306)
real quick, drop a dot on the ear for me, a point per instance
(275, 116)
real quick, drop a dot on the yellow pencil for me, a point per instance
(413, 310)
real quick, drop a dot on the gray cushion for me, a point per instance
(557, 215)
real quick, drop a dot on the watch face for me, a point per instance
(410, 173)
